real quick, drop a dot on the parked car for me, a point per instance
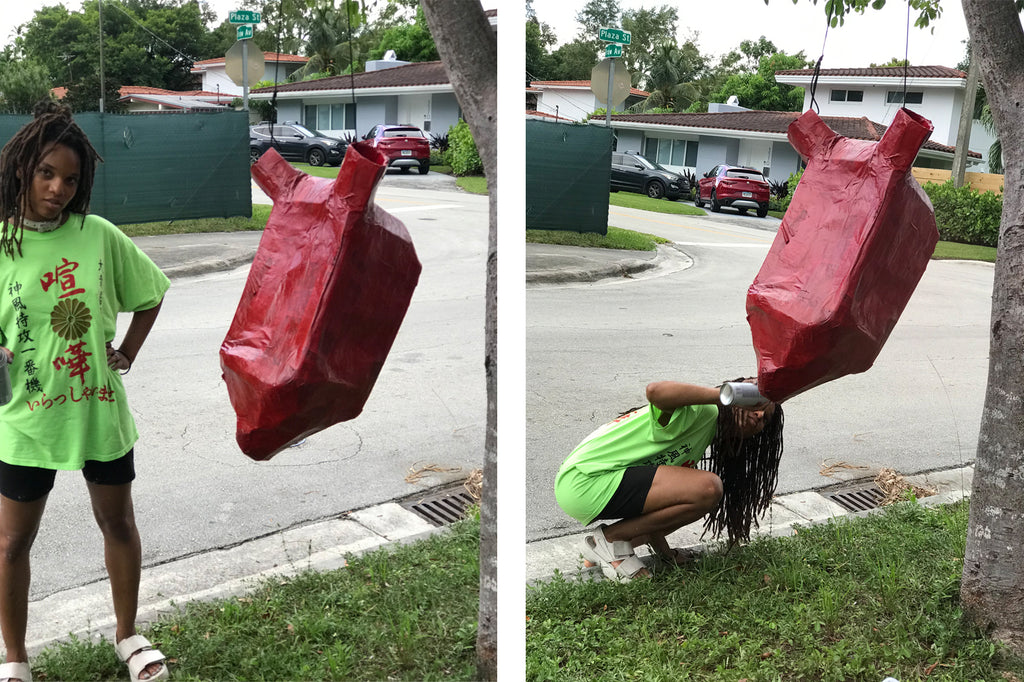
(406, 146)
(740, 188)
(632, 172)
(295, 142)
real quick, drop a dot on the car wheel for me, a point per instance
(715, 206)
(254, 155)
(655, 190)
(424, 169)
(697, 201)
(316, 157)
(762, 212)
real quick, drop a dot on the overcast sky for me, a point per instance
(873, 37)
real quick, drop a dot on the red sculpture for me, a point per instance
(851, 249)
(326, 294)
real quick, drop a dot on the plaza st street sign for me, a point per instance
(244, 16)
(614, 35)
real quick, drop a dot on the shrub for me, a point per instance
(462, 154)
(965, 215)
(781, 203)
(439, 142)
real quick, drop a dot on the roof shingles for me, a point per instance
(772, 122)
(418, 73)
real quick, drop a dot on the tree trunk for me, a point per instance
(468, 48)
(992, 588)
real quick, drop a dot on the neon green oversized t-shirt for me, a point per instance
(59, 302)
(591, 474)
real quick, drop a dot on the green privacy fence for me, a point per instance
(169, 167)
(568, 169)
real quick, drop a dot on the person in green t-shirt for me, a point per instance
(64, 277)
(641, 468)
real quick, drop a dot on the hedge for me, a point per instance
(962, 214)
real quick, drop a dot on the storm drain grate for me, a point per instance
(444, 508)
(858, 499)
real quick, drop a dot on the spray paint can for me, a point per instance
(740, 393)
(5, 380)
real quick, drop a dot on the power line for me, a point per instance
(123, 11)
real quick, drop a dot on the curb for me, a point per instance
(203, 267)
(626, 267)
(86, 612)
(560, 556)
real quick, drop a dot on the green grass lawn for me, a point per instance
(854, 600)
(645, 203)
(260, 214)
(408, 613)
(616, 238)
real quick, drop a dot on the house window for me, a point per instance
(846, 96)
(330, 116)
(671, 152)
(896, 97)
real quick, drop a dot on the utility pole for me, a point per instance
(963, 135)
(99, 3)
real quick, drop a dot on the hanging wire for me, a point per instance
(351, 61)
(817, 66)
(906, 57)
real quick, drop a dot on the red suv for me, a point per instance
(740, 188)
(405, 146)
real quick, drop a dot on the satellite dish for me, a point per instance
(390, 56)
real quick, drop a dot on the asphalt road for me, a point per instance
(591, 349)
(196, 491)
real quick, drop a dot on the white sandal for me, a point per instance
(16, 671)
(137, 653)
(598, 549)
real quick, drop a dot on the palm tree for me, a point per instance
(995, 152)
(331, 44)
(669, 81)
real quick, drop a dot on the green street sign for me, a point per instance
(244, 32)
(614, 35)
(244, 16)
(613, 50)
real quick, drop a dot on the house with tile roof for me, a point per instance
(756, 139)
(856, 103)
(389, 91)
(573, 100)
(211, 74)
(143, 99)
(935, 92)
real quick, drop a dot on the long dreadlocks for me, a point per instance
(749, 469)
(52, 124)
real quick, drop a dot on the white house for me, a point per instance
(142, 99)
(876, 93)
(573, 100)
(756, 139)
(212, 76)
(388, 91)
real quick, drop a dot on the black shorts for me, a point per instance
(631, 495)
(27, 484)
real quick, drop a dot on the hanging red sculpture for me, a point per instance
(326, 294)
(851, 249)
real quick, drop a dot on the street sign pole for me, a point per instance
(245, 75)
(608, 104)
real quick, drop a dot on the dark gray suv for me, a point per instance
(634, 173)
(295, 142)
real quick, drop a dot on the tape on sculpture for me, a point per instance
(326, 294)
(851, 249)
